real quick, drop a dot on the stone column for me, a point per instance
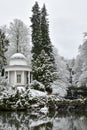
(28, 77)
(15, 78)
(31, 77)
(22, 78)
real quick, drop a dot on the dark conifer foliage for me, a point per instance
(46, 42)
(36, 31)
(43, 69)
(75, 92)
(42, 48)
(3, 48)
(40, 32)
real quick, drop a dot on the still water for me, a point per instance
(34, 121)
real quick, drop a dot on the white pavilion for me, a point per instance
(18, 72)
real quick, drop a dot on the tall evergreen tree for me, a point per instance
(43, 70)
(36, 31)
(46, 42)
(3, 48)
(41, 45)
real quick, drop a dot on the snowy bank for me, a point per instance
(37, 102)
(36, 93)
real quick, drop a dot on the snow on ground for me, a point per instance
(36, 93)
(20, 88)
(33, 93)
(39, 122)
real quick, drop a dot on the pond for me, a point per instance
(35, 121)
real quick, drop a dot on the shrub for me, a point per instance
(3, 81)
(37, 86)
(74, 92)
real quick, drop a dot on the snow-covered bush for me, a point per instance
(3, 81)
(20, 98)
(11, 98)
(37, 85)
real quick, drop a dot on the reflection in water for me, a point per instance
(26, 121)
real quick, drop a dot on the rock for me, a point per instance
(44, 110)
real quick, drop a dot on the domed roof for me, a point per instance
(18, 56)
(18, 59)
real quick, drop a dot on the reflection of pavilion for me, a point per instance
(18, 71)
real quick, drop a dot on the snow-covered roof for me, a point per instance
(18, 59)
(18, 56)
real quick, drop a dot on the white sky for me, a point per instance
(68, 20)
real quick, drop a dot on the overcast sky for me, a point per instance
(68, 20)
